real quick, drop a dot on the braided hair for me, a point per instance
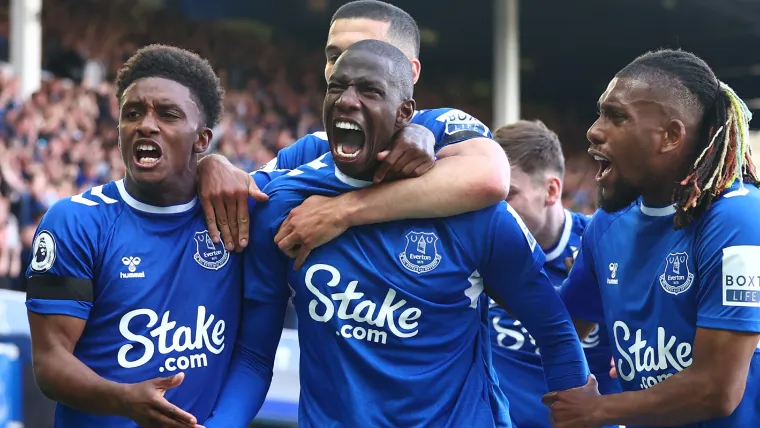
(722, 154)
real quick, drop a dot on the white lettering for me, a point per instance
(400, 320)
(640, 358)
(169, 339)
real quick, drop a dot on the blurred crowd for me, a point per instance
(63, 140)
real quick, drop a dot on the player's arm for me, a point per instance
(266, 296)
(728, 330)
(580, 290)
(514, 278)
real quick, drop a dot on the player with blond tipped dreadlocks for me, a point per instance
(671, 265)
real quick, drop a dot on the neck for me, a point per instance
(661, 194)
(551, 233)
(162, 194)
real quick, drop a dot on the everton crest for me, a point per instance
(207, 254)
(421, 252)
(676, 279)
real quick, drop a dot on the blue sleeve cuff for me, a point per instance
(71, 308)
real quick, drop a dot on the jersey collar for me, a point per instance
(353, 182)
(563, 240)
(657, 211)
(142, 206)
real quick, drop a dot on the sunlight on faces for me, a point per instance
(625, 140)
(160, 130)
(345, 32)
(362, 110)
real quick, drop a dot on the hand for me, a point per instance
(574, 408)
(145, 404)
(224, 192)
(317, 221)
(412, 154)
(613, 369)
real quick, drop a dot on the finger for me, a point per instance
(208, 210)
(243, 223)
(224, 226)
(284, 230)
(403, 161)
(234, 224)
(409, 169)
(386, 164)
(255, 192)
(301, 256)
(169, 382)
(423, 168)
(174, 413)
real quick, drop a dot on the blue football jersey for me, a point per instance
(448, 125)
(392, 323)
(516, 357)
(653, 286)
(158, 296)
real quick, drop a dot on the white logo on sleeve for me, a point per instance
(741, 276)
(43, 252)
(612, 279)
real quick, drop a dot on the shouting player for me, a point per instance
(471, 174)
(133, 309)
(391, 323)
(535, 192)
(671, 263)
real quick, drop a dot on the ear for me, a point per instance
(405, 113)
(674, 136)
(204, 139)
(416, 68)
(553, 190)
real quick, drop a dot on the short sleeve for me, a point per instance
(580, 291)
(265, 266)
(728, 265)
(451, 126)
(60, 273)
(303, 151)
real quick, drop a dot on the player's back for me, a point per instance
(391, 323)
(165, 298)
(516, 358)
(659, 285)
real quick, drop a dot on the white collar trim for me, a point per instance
(353, 182)
(657, 212)
(564, 239)
(141, 206)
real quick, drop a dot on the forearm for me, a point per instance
(250, 373)
(682, 399)
(454, 186)
(65, 379)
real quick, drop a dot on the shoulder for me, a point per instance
(602, 221)
(101, 204)
(449, 121)
(580, 221)
(732, 216)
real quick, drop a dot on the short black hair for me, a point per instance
(532, 147)
(403, 31)
(182, 66)
(402, 76)
(721, 155)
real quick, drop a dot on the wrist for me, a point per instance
(349, 208)
(600, 415)
(119, 398)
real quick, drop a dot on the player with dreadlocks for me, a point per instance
(671, 264)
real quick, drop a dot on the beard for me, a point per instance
(622, 195)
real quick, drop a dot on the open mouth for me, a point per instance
(349, 138)
(605, 166)
(147, 153)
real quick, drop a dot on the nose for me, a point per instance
(348, 100)
(148, 125)
(595, 134)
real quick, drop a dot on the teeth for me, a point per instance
(347, 125)
(148, 161)
(340, 151)
(146, 147)
(599, 158)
